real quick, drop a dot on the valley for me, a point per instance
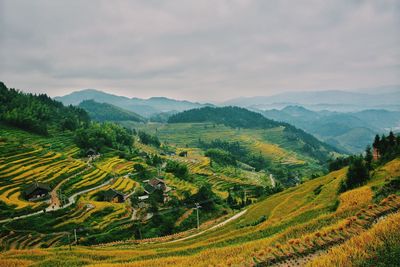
(209, 187)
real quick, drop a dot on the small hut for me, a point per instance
(114, 196)
(37, 190)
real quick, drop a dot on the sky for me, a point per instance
(198, 50)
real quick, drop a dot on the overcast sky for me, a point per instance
(198, 50)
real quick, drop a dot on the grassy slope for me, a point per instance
(299, 220)
(271, 143)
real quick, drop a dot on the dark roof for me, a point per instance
(111, 193)
(90, 151)
(155, 181)
(148, 188)
(36, 185)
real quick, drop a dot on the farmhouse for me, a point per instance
(37, 191)
(183, 154)
(154, 184)
(114, 196)
(157, 184)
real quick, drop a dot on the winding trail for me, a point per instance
(234, 217)
(71, 200)
(271, 178)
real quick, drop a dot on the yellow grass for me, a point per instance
(13, 197)
(125, 185)
(355, 198)
(15, 263)
(279, 209)
(362, 246)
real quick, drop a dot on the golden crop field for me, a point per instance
(300, 222)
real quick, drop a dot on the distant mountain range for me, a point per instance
(350, 131)
(346, 120)
(143, 107)
(385, 97)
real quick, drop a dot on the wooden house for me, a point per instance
(37, 190)
(114, 196)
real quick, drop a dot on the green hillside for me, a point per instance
(38, 113)
(279, 148)
(206, 193)
(350, 132)
(107, 112)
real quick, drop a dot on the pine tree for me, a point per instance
(368, 157)
(357, 174)
(377, 142)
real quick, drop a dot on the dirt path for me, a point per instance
(234, 217)
(54, 199)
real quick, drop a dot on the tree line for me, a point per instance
(229, 153)
(386, 148)
(38, 112)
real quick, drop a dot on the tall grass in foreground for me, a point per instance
(379, 246)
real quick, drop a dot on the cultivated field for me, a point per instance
(294, 226)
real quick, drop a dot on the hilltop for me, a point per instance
(241, 118)
(143, 107)
(107, 112)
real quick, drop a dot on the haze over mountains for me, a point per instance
(384, 97)
(346, 120)
(143, 107)
(348, 131)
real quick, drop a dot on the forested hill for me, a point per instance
(234, 117)
(37, 113)
(237, 117)
(107, 112)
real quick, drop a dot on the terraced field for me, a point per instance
(273, 144)
(299, 225)
(22, 165)
(52, 160)
(183, 134)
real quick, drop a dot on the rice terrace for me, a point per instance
(221, 133)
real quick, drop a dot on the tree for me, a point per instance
(391, 139)
(206, 197)
(221, 157)
(148, 139)
(230, 200)
(357, 174)
(141, 170)
(368, 157)
(180, 170)
(377, 142)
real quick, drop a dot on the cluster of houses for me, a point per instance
(153, 185)
(115, 196)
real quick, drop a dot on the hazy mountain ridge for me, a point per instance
(333, 100)
(143, 107)
(350, 131)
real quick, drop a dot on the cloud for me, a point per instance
(200, 50)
